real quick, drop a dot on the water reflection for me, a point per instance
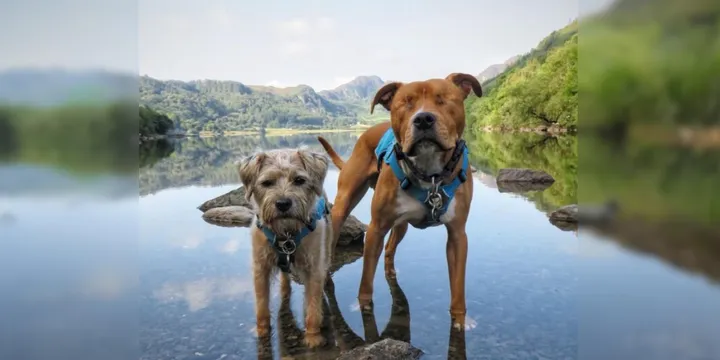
(340, 336)
(209, 161)
(533, 289)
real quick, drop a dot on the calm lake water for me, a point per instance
(184, 289)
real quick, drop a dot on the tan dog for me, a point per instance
(417, 164)
(292, 231)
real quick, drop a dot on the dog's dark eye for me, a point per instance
(267, 183)
(439, 100)
(299, 181)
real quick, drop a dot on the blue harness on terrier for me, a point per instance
(438, 197)
(286, 244)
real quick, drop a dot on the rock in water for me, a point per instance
(229, 216)
(388, 349)
(352, 231)
(587, 215)
(567, 213)
(523, 175)
(233, 198)
(231, 209)
(521, 186)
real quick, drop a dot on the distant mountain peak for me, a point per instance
(494, 70)
(358, 89)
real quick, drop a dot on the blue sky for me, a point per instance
(320, 43)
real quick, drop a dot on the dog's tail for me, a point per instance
(336, 159)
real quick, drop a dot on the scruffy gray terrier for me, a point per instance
(292, 230)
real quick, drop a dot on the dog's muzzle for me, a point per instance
(424, 133)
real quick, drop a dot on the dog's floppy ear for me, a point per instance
(316, 164)
(385, 95)
(248, 168)
(466, 83)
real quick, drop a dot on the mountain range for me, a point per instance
(210, 105)
(493, 71)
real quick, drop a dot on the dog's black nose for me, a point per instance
(283, 204)
(424, 120)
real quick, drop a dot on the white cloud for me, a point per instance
(275, 83)
(339, 80)
(300, 26)
(383, 55)
(294, 26)
(219, 17)
(325, 23)
(298, 35)
(294, 47)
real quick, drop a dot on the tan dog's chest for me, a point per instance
(410, 210)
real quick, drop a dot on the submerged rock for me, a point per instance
(567, 213)
(232, 210)
(565, 225)
(523, 175)
(229, 216)
(387, 349)
(232, 198)
(521, 187)
(587, 214)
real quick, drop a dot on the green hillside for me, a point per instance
(217, 106)
(539, 89)
(153, 123)
(651, 63)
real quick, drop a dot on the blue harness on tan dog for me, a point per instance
(438, 197)
(286, 244)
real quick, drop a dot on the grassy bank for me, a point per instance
(281, 132)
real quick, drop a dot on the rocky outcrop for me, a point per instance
(567, 213)
(387, 349)
(569, 216)
(233, 198)
(521, 186)
(586, 214)
(565, 218)
(523, 175)
(232, 210)
(229, 216)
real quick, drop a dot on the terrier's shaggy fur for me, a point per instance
(294, 175)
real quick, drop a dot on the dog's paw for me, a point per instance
(314, 340)
(366, 303)
(464, 323)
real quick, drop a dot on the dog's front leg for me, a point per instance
(313, 310)
(377, 229)
(456, 249)
(262, 269)
(261, 276)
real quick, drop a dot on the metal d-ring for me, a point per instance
(434, 199)
(286, 246)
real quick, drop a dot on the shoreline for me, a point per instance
(278, 132)
(540, 130)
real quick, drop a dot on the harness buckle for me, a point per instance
(435, 200)
(285, 245)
